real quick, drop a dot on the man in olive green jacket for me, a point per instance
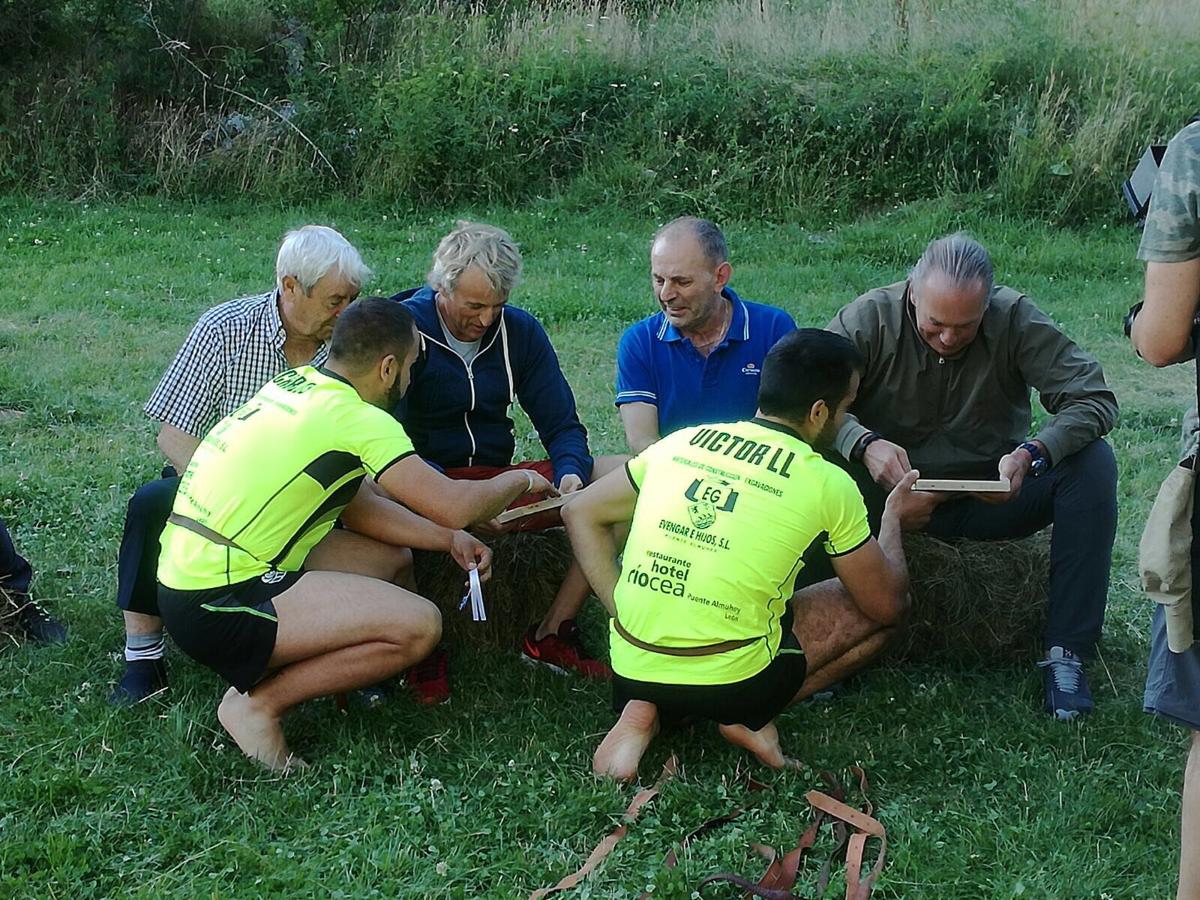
(951, 359)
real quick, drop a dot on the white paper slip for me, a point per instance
(475, 595)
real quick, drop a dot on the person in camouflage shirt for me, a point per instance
(1162, 335)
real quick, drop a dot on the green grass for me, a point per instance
(983, 796)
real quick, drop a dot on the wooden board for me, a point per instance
(999, 486)
(532, 509)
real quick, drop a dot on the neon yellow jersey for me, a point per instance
(723, 514)
(273, 477)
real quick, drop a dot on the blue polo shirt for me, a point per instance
(658, 365)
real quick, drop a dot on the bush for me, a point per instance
(731, 108)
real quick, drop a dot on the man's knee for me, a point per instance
(422, 628)
(151, 503)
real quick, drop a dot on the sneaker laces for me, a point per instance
(1066, 670)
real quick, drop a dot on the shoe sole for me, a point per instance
(542, 664)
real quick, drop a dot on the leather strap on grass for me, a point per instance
(606, 846)
(779, 879)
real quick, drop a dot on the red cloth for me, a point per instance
(537, 522)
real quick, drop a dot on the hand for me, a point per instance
(471, 553)
(912, 509)
(1015, 466)
(887, 462)
(491, 528)
(538, 484)
(569, 484)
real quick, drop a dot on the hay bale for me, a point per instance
(973, 601)
(527, 569)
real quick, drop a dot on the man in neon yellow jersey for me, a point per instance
(254, 580)
(705, 622)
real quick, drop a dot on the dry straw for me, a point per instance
(972, 602)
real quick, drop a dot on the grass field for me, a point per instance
(492, 795)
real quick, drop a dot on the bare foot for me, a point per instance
(621, 750)
(763, 743)
(258, 734)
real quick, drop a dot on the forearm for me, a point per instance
(478, 501)
(1078, 424)
(390, 522)
(177, 446)
(891, 543)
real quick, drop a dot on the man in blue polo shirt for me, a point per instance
(699, 359)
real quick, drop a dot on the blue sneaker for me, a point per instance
(1067, 693)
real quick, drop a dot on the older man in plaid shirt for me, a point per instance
(232, 351)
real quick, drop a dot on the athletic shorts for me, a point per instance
(230, 629)
(551, 518)
(753, 702)
(1173, 679)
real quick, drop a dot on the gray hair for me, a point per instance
(489, 249)
(310, 253)
(712, 241)
(960, 258)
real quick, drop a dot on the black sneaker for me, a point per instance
(143, 678)
(1067, 693)
(35, 623)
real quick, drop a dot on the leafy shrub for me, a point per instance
(733, 107)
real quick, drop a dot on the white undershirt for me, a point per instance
(468, 350)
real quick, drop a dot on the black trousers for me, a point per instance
(137, 560)
(1078, 496)
(15, 572)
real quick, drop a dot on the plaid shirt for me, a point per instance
(231, 352)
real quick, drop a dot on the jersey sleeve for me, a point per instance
(191, 390)
(846, 527)
(635, 370)
(1172, 232)
(379, 441)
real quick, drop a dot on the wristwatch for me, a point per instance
(1040, 463)
(856, 453)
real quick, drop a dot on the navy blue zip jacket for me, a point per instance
(457, 415)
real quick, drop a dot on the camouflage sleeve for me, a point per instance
(1172, 231)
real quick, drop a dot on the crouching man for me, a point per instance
(254, 580)
(705, 623)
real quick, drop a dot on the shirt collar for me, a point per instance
(739, 323)
(781, 428)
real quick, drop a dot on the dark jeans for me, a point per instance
(137, 561)
(15, 571)
(1078, 495)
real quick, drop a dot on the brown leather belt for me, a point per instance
(703, 650)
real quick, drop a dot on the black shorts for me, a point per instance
(752, 702)
(230, 629)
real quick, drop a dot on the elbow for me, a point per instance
(1158, 357)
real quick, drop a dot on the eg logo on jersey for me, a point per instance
(706, 499)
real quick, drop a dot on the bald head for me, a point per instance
(704, 232)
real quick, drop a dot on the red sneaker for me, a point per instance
(430, 678)
(563, 652)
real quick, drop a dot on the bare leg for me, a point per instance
(1189, 858)
(343, 550)
(837, 639)
(337, 631)
(575, 590)
(621, 750)
(140, 623)
(764, 744)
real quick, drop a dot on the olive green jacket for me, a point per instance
(958, 415)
